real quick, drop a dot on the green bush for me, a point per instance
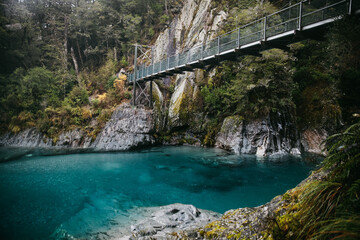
(77, 97)
(330, 209)
(123, 61)
(252, 88)
(110, 82)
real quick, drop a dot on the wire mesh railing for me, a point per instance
(291, 18)
(311, 15)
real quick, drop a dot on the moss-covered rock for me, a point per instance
(277, 219)
(180, 103)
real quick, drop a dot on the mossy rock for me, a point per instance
(180, 104)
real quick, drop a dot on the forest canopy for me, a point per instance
(51, 50)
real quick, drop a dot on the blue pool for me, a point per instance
(81, 193)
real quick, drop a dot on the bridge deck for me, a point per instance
(277, 30)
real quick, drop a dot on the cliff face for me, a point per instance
(197, 22)
(128, 128)
(33, 138)
(275, 134)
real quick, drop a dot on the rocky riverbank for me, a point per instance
(178, 221)
(128, 128)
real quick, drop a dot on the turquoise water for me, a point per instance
(80, 194)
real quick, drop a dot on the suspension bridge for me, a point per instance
(304, 20)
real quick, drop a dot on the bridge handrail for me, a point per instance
(322, 9)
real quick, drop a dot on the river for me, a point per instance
(82, 193)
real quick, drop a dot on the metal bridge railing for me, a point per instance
(291, 18)
(311, 15)
(229, 41)
(283, 21)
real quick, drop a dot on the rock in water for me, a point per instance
(312, 141)
(274, 134)
(128, 128)
(171, 218)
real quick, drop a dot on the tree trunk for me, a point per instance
(66, 24)
(115, 54)
(75, 61)
(79, 52)
(166, 8)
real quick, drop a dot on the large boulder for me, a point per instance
(128, 128)
(171, 218)
(312, 141)
(275, 134)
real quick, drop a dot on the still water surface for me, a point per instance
(80, 194)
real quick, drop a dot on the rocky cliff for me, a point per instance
(128, 128)
(197, 22)
(273, 135)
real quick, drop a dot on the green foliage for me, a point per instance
(164, 19)
(344, 44)
(77, 97)
(329, 209)
(37, 88)
(344, 155)
(43, 33)
(343, 53)
(101, 79)
(123, 62)
(317, 94)
(29, 91)
(24, 120)
(253, 88)
(110, 82)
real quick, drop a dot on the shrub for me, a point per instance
(78, 97)
(329, 209)
(85, 114)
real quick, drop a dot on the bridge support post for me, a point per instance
(202, 51)
(151, 88)
(265, 22)
(300, 15)
(134, 86)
